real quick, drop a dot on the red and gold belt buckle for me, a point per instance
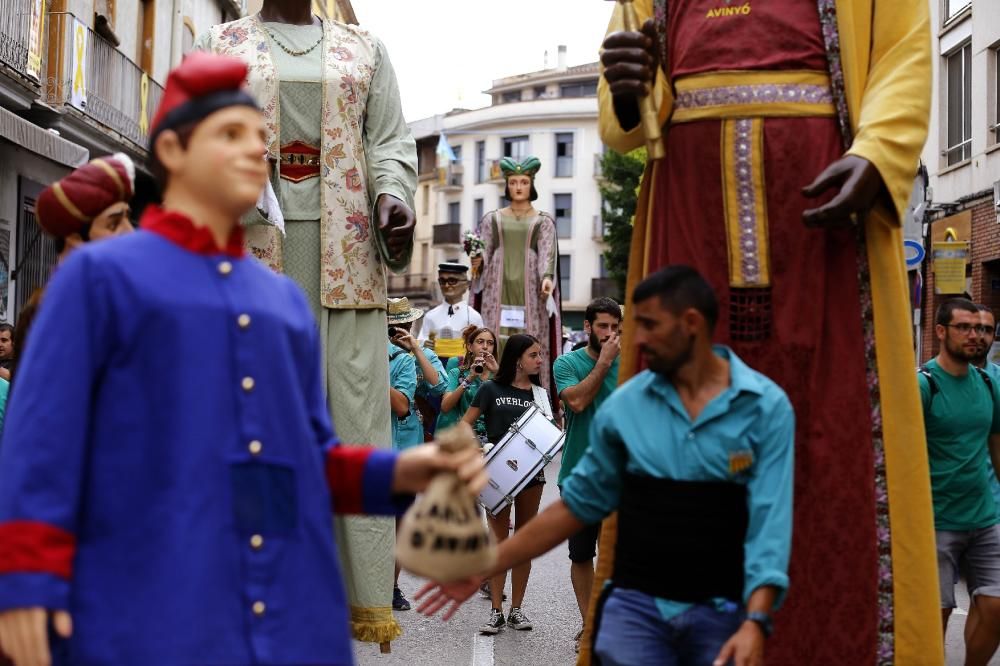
(299, 161)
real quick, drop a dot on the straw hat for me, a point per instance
(400, 312)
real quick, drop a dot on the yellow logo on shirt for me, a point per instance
(740, 461)
(739, 10)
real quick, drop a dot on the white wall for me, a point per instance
(423, 234)
(82, 9)
(127, 28)
(163, 40)
(203, 13)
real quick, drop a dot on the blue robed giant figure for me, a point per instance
(168, 464)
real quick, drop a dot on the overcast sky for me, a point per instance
(446, 52)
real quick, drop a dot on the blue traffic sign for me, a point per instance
(913, 252)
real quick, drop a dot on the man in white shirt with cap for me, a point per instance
(443, 325)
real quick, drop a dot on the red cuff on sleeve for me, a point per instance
(345, 471)
(28, 546)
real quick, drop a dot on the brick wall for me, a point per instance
(985, 265)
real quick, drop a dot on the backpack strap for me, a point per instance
(986, 380)
(931, 382)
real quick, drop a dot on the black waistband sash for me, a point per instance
(681, 540)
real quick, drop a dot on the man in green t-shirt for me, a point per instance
(962, 419)
(987, 334)
(584, 379)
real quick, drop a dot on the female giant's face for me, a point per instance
(519, 188)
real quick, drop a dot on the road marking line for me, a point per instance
(482, 650)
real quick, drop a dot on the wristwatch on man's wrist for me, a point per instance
(762, 620)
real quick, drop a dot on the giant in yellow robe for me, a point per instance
(884, 48)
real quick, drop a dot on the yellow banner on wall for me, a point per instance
(949, 260)
(35, 40)
(78, 89)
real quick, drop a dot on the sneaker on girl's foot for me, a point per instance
(495, 624)
(518, 620)
(399, 602)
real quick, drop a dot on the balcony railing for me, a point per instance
(450, 177)
(604, 288)
(447, 234)
(118, 93)
(15, 31)
(959, 152)
(410, 284)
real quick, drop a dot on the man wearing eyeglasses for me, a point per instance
(443, 325)
(987, 334)
(962, 419)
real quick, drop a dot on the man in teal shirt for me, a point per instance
(962, 422)
(987, 334)
(402, 388)
(413, 371)
(411, 374)
(696, 455)
(584, 379)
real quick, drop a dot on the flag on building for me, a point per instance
(445, 158)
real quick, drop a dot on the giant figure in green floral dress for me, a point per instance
(516, 285)
(344, 172)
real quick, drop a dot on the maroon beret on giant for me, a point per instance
(201, 85)
(67, 205)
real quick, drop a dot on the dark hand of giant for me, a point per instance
(859, 182)
(396, 222)
(629, 61)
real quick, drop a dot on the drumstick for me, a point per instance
(649, 117)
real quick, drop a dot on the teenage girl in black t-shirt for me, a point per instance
(501, 402)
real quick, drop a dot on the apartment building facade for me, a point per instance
(962, 154)
(79, 79)
(551, 114)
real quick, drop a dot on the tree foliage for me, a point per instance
(620, 193)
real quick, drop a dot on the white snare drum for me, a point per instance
(530, 445)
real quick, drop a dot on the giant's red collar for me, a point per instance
(178, 228)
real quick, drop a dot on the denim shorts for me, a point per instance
(978, 552)
(633, 632)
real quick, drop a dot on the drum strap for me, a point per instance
(681, 540)
(541, 398)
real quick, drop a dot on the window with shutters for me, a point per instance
(958, 111)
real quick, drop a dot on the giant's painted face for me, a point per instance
(519, 188)
(453, 285)
(224, 159)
